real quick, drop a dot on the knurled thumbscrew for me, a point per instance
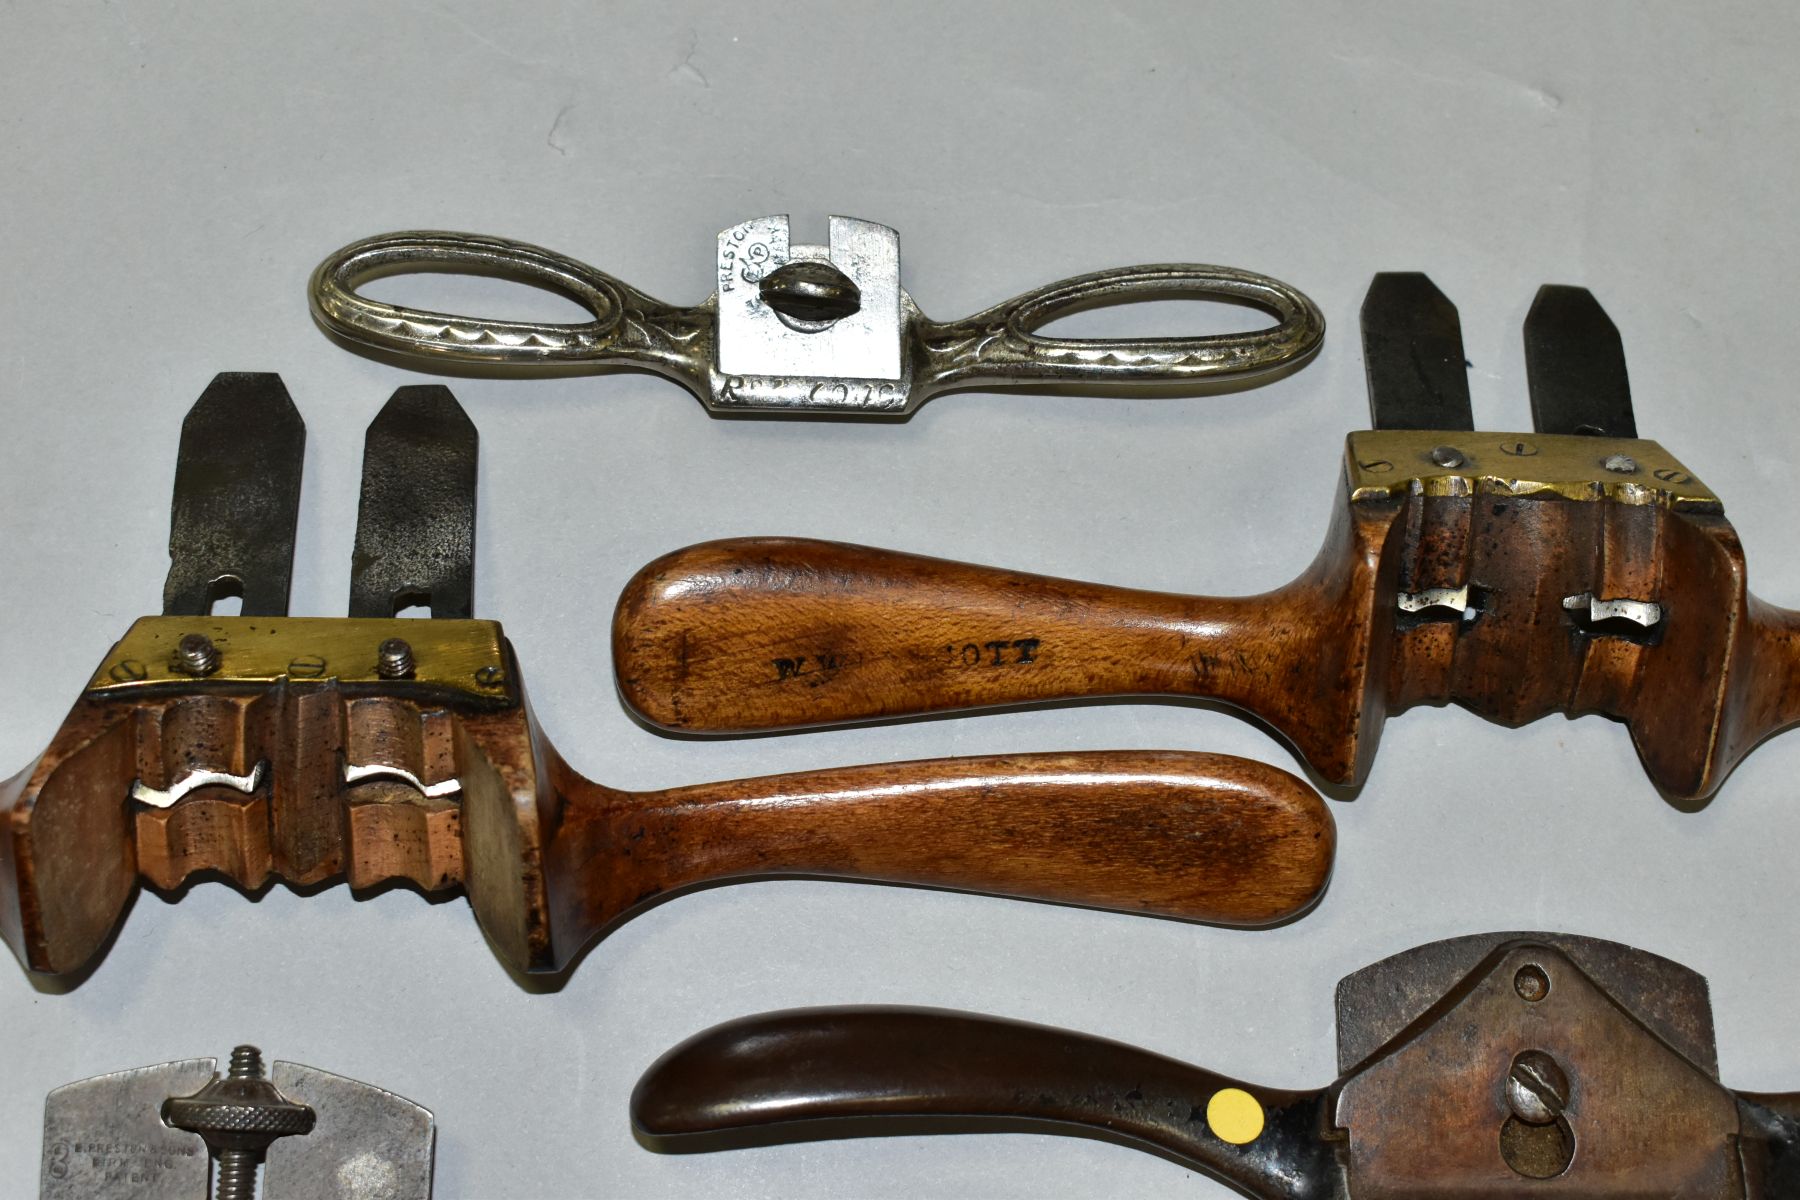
(238, 1116)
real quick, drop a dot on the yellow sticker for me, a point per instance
(1235, 1116)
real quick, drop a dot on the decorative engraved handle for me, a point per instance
(999, 345)
(629, 329)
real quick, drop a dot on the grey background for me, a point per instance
(169, 174)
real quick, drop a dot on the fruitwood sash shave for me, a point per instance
(1499, 1065)
(808, 329)
(265, 746)
(1576, 568)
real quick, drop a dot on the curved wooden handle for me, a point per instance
(1203, 837)
(811, 1072)
(776, 633)
(1761, 697)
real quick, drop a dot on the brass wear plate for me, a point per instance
(1384, 463)
(466, 658)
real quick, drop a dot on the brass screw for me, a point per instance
(196, 654)
(1518, 449)
(490, 676)
(394, 659)
(307, 666)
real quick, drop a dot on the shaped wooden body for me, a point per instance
(1578, 569)
(445, 780)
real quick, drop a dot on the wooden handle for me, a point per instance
(549, 859)
(769, 633)
(829, 1071)
(1761, 694)
(1203, 837)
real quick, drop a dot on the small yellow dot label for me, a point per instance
(1234, 1116)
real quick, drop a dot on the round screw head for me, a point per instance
(1448, 456)
(394, 659)
(810, 292)
(1531, 983)
(1537, 1090)
(196, 654)
(1620, 464)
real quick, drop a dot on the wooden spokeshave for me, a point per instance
(1490, 1067)
(1575, 568)
(373, 747)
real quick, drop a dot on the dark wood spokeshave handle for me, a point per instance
(838, 1071)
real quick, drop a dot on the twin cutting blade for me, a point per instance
(1418, 378)
(237, 498)
(1413, 353)
(1575, 366)
(237, 503)
(415, 529)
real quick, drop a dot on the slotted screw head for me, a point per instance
(1537, 1090)
(811, 292)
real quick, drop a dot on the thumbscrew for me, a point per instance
(239, 1116)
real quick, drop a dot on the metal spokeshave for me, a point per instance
(808, 329)
(156, 1133)
(1494, 1066)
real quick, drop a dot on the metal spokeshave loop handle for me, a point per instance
(629, 329)
(796, 328)
(468, 339)
(1001, 346)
